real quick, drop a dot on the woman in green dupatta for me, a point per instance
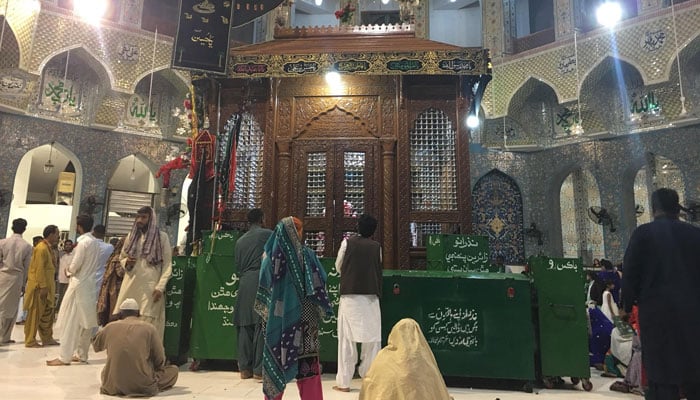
(291, 299)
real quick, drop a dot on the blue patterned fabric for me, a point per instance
(290, 276)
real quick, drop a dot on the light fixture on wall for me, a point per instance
(133, 169)
(684, 112)
(91, 11)
(577, 129)
(48, 165)
(609, 13)
(472, 121)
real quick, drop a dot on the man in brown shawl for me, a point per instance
(146, 258)
(111, 283)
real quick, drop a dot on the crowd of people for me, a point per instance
(114, 299)
(644, 313)
(94, 292)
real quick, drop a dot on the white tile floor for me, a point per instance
(25, 376)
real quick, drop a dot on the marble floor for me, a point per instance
(24, 375)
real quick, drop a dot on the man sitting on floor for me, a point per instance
(135, 357)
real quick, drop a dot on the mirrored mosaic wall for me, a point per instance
(614, 165)
(579, 200)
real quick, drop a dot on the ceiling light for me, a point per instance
(133, 169)
(48, 166)
(333, 78)
(319, 2)
(91, 11)
(609, 13)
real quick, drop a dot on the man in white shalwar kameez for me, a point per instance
(15, 255)
(147, 261)
(359, 264)
(78, 316)
(106, 251)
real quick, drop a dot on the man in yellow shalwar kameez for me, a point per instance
(40, 292)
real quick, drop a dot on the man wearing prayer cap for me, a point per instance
(135, 357)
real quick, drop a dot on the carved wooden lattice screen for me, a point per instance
(433, 174)
(247, 193)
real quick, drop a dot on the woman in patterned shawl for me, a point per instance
(107, 298)
(291, 299)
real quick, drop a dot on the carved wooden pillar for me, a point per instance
(284, 177)
(388, 202)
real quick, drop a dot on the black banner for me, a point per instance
(202, 38)
(245, 11)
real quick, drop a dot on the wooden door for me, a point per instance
(335, 182)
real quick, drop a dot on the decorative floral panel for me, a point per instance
(498, 214)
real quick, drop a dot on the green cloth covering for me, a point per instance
(291, 276)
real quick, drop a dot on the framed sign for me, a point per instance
(203, 34)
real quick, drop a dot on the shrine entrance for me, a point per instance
(335, 182)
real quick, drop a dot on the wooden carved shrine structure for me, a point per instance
(332, 152)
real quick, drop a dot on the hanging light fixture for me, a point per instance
(684, 112)
(133, 169)
(577, 129)
(48, 165)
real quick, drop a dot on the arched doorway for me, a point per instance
(131, 186)
(47, 189)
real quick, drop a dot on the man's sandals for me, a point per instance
(56, 363)
(341, 389)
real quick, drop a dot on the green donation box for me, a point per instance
(328, 328)
(213, 334)
(458, 253)
(477, 324)
(563, 323)
(179, 294)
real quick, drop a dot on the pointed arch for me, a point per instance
(604, 94)
(178, 81)
(534, 98)
(100, 67)
(144, 171)
(686, 50)
(498, 213)
(11, 52)
(532, 81)
(346, 118)
(603, 64)
(43, 209)
(581, 237)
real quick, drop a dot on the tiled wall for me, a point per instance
(98, 152)
(613, 164)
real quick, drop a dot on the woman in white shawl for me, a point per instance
(405, 369)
